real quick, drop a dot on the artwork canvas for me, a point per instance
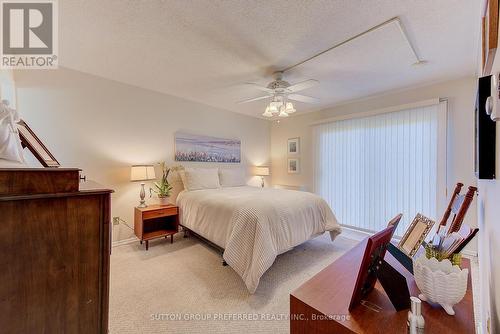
(189, 147)
(293, 146)
(293, 166)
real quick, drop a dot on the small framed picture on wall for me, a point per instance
(293, 166)
(293, 146)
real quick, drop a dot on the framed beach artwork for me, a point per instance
(190, 147)
(293, 166)
(293, 146)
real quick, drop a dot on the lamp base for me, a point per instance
(142, 203)
(262, 181)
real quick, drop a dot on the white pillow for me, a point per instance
(175, 180)
(200, 178)
(234, 177)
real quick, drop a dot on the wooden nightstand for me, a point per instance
(156, 221)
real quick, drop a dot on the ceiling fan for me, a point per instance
(281, 92)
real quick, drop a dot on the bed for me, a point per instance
(253, 225)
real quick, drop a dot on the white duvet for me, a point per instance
(254, 225)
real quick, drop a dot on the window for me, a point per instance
(373, 167)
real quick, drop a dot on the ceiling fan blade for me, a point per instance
(302, 85)
(303, 98)
(254, 99)
(259, 87)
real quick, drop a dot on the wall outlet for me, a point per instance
(116, 220)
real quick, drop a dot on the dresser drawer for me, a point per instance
(168, 211)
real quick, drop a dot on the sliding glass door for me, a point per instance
(373, 167)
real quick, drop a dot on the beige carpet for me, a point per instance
(183, 288)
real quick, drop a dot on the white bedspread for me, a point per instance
(254, 225)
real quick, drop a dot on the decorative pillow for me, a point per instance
(234, 177)
(200, 178)
(174, 178)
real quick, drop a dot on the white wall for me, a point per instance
(7, 87)
(461, 97)
(103, 127)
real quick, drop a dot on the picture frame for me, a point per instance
(415, 235)
(200, 148)
(293, 146)
(373, 267)
(489, 35)
(293, 166)
(395, 221)
(35, 145)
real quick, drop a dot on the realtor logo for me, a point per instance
(29, 34)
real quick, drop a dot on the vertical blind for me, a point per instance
(369, 169)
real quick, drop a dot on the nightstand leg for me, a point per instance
(171, 238)
(140, 242)
(147, 244)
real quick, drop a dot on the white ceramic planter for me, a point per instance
(163, 200)
(440, 282)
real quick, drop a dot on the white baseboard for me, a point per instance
(358, 235)
(124, 242)
(469, 253)
(354, 234)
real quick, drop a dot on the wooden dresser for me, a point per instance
(54, 252)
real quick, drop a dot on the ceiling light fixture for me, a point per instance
(283, 113)
(289, 108)
(279, 108)
(268, 113)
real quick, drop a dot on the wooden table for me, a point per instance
(156, 221)
(321, 304)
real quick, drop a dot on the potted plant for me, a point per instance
(163, 188)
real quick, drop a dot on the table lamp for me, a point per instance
(262, 171)
(142, 173)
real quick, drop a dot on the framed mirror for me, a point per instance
(415, 234)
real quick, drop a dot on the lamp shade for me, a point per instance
(289, 109)
(142, 173)
(261, 171)
(268, 112)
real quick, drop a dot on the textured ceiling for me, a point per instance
(204, 50)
